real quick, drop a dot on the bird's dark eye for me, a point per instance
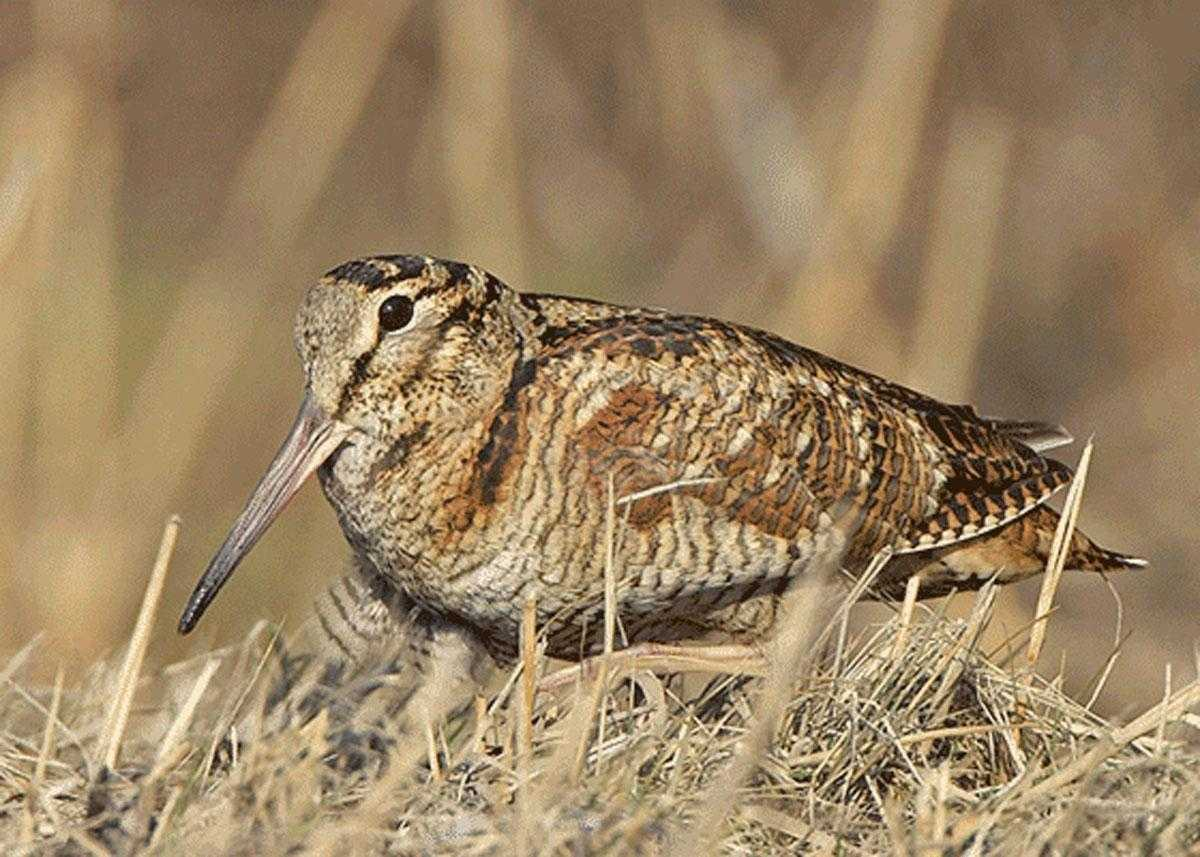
(395, 313)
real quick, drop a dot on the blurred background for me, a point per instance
(992, 202)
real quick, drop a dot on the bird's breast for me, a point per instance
(402, 506)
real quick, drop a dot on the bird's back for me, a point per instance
(730, 453)
(697, 394)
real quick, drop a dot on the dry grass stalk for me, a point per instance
(528, 674)
(19, 660)
(1118, 644)
(874, 165)
(526, 813)
(953, 298)
(799, 629)
(127, 681)
(1160, 733)
(850, 765)
(610, 572)
(627, 499)
(183, 720)
(34, 795)
(1059, 550)
(661, 657)
(238, 695)
(479, 737)
(1169, 710)
(477, 48)
(314, 113)
(610, 604)
(47, 750)
(1105, 749)
(578, 733)
(911, 589)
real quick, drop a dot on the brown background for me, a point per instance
(994, 202)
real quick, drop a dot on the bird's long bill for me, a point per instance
(313, 438)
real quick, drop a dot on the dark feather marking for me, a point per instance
(531, 303)
(458, 271)
(493, 288)
(358, 374)
(464, 313)
(333, 673)
(531, 300)
(332, 594)
(333, 637)
(410, 268)
(502, 434)
(398, 451)
(360, 272)
(555, 335)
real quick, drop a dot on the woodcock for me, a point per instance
(467, 434)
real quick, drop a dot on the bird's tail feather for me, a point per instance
(1038, 436)
(1013, 552)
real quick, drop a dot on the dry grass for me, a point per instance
(907, 739)
(994, 207)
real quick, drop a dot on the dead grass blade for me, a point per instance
(953, 298)
(127, 680)
(183, 720)
(1059, 549)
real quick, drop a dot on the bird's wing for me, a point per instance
(777, 435)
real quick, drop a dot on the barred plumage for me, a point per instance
(468, 456)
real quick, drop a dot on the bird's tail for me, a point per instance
(1084, 554)
(1014, 552)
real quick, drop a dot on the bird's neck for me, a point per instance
(421, 487)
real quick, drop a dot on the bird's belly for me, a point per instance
(669, 588)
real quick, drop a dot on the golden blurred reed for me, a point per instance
(991, 207)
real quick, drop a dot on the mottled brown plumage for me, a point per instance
(468, 453)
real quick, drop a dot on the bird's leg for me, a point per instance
(380, 666)
(662, 657)
(452, 665)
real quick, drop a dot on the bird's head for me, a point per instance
(389, 344)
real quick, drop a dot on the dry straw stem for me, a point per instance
(18, 661)
(528, 675)
(127, 681)
(34, 795)
(321, 98)
(610, 604)
(846, 752)
(477, 50)
(47, 751)
(610, 572)
(1168, 710)
(179, 726)
(912, 588)
(872, 172)
(1059, 549)
(661, 657)
(883, 744)
(525, 811)
(237, 696)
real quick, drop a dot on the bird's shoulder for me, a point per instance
(691, 349)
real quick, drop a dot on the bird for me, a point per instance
(474, 440)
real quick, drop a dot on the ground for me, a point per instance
(906, 740)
